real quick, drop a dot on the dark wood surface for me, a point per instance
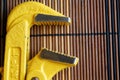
(93, 36)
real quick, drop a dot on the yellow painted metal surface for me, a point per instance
(45, 69)
(19, 22)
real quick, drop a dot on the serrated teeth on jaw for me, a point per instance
(56, 56)
(52, 23)
(42, 19)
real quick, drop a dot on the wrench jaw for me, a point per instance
(30, 8)
(44, 19)
(58, 57)
(40, 19)
(47, 63)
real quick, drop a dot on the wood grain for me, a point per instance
(93, 36)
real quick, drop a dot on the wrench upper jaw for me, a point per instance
(44, 19)
(41, 19)
(34, 8)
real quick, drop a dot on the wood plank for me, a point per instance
(86, 37)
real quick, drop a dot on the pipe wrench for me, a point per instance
(17, 65)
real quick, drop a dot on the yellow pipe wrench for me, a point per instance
(46, 63)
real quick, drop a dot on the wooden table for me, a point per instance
(93, 36)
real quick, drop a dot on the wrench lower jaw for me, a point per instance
(45, 69)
